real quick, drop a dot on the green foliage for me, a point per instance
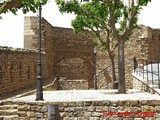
(26, 5)
(103, 46)
(96, 14)
(143, 2)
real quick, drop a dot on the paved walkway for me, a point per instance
(90, 95)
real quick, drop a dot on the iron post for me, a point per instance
(39, 92)
(95, 63)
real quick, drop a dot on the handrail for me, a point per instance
(101, 71)
(148, 69)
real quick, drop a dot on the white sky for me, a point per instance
(12, 27)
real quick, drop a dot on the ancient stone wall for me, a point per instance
(91, 110)
(68, 54)
(64, 54)
(132, 48)
(73, 55)
(144, 43)
(18, 69)
(31, 33)
(64, 84)
(153, 43)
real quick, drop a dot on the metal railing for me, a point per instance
(147, 70)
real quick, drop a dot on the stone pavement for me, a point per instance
(90, 95)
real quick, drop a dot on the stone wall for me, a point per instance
(91, 110)
(144, 43)
(132, 48)
(64, 84)
(74, 56)
(64, 54)
(68, 54)
(142, 86)
(31, 33)
(18, 69)
(152, 46)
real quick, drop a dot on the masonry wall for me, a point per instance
(68, 54)
(64, 84)
(153, 42)
(132, 49)
(144, 43)
(31, 32)
(74, 58)
(18, 69)
(64, 54)
(91, 110)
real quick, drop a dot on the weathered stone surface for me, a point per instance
(65, 54)
(24, 107)
(30, 114)
(38, 115)
(94, 111)
(21, 113)
(87, 114)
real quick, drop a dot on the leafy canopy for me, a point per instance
(25, 5)
(103, 14)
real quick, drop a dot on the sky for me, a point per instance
(12, 27)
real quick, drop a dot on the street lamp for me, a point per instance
(95, 63)
(39, 93)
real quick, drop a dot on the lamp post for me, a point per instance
(95, 63)
(39, 93)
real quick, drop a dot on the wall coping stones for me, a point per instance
(6, 48)
(21, 50)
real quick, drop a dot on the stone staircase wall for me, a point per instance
(65, 84)
(86, 110)
(143, 86)
(8, 111)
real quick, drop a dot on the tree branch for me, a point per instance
(129, 27)
(112, 22)
(98, 19)
(96, 32)
(10, 4)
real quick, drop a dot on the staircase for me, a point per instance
(8, 111)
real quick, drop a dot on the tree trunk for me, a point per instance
(121, 67)
(113, 69)
(113, 73)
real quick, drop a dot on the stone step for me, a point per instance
(8, 107)
(154, 86)
(8, 102)
(11, 117)
(8, 112)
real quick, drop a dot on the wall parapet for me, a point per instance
(6, 48)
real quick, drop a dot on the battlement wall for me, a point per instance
(18, 69)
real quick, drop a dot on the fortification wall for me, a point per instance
(18, 69)
(64, 54)
(74, 58)
(68, 54)
(144, 43)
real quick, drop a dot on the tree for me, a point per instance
(14, 5)
(113, 17)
